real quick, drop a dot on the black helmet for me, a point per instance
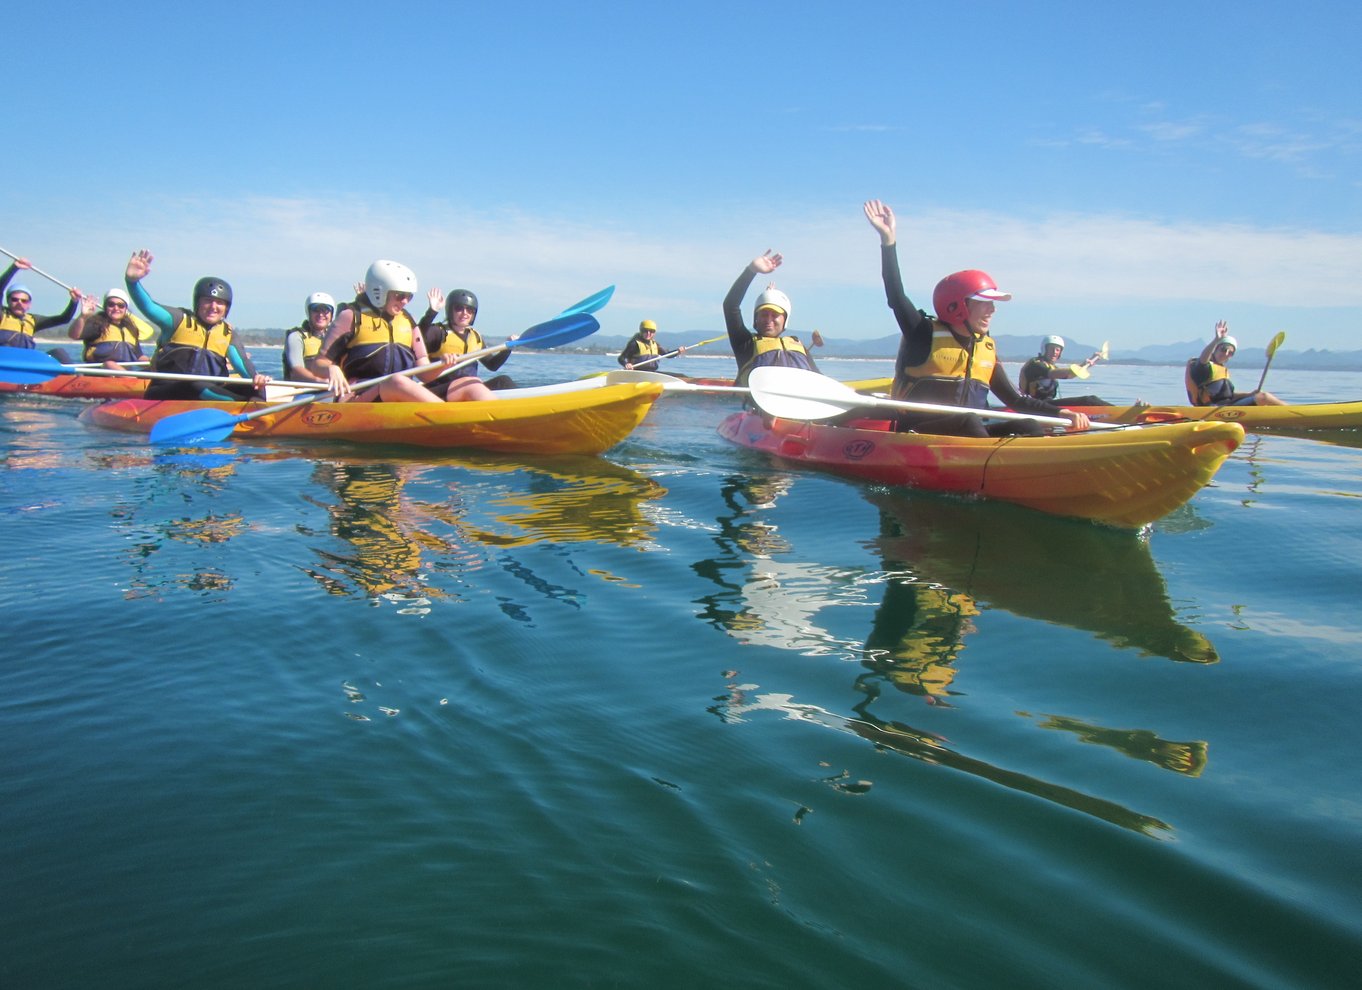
(212, 288)
(460, 297)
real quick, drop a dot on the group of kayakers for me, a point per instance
(335, 347)
(946, 359)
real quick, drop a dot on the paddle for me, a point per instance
(792, 393)
(669, 354)
(668, 383)
(1081, 370)
(1272, 346)
(590, 304)
(39, 271)
(25, 367)
(205, 426)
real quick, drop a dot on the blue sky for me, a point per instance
(1131, 174)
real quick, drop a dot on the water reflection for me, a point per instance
(404, 522)
(945, 565)
(1060, 571)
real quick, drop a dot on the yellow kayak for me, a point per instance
(573, 418)
(1305, 416)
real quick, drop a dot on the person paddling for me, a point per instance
(18, 325)
(1208, 377)
(643, 350)
(1040, 376)
(457, 337)
(768, 344)
(194, 342)
(376, 336)
(951, 359)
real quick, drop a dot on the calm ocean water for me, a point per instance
(676, 716)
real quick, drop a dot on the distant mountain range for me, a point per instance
(1012, 348)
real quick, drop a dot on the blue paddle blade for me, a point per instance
(20, 366)
(195, 428)
(557, 331)
(591, 303)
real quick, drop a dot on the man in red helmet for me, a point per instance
(952, 360)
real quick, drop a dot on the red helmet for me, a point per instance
(954, 290)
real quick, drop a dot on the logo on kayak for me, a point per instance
(857, 449)
(320, 417)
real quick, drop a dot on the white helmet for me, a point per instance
(1052, 341)
(319, 299)
(117, 294)
(774, 298)
(387, 276)
(1230, 341)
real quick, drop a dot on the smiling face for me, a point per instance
(210, 311)
(770, 322)
(115, 309)
(319, 317)
(1222, 353)
(978, 315)
(1052, 352)
(395, 303)
(461, 317)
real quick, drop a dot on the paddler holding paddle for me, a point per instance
(1208, 378)
(18, 325)
(643, 350)
(768, 345)
(458, 337)
(375, 336)
(952, 360)
(1040, 377)
(195, 342)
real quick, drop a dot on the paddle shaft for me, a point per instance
(171, 376)
(1272, 346)
(670, 354)
(39, 271)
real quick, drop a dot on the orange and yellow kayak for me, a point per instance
(573, 418)
(1123, 478)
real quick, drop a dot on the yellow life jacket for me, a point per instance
(1037, 379)
(377, 345)
(452, 343)
(938, 378)
(1216, 389)
(195, 349)
(106, 339)
(781, 352)
(312, 346)
(646, 348)
(17, 331)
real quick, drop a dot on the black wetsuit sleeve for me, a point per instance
(66, 316)
(914, 324)
(630, 352)
(1002, 387)
(739, 337)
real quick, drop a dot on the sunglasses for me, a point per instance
(115, 304)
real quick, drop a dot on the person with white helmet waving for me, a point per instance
(111, 334)
(376, 336)
(457, 336)
(197, 341)
(304, 342)
(1208, 378)
(768, 344)
(1040, 377)
(951, 359)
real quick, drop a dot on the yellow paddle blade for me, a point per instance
(1105, 352)
(1275, 343)
(145, 331)
(1079, 371)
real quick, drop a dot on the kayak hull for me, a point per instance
(1305, 416)
(588, 419)
(79, 387)
(1123, 478)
